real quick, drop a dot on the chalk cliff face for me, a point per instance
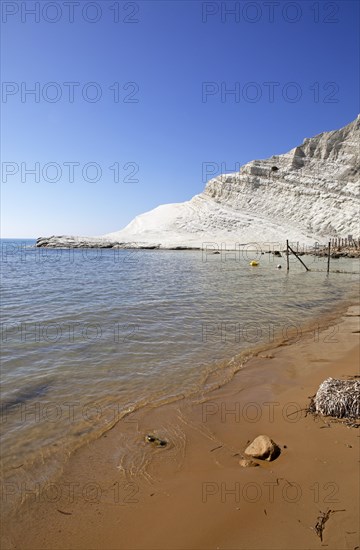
(309, 194)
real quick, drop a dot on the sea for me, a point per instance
(91, 335)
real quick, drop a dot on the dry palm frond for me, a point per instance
(338, 398)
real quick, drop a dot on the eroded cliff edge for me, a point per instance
(309, 194)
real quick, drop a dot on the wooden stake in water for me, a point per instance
(287, 255)
(296, 256)
(328, 264)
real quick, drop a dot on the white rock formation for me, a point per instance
(309, 194)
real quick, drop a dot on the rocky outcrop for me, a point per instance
(309, 194)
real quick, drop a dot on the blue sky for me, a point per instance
(151, 84)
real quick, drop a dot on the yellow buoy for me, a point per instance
(254, 263)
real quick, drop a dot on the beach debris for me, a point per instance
(263, 448)
(306, 409)
(155, 440)
(65, 513)
(215, 448)
(321, 520)
(254, 263)
(278, 266)
(248, 463)
(17, 467)
(338, 398)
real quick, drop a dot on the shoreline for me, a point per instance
(190, 494)
(218, 374)
(211, 364)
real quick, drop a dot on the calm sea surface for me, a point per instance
(88, 335)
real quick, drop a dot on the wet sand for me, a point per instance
(120, 492)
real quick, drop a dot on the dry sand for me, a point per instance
(193, 494)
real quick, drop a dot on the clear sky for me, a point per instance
(132, 104)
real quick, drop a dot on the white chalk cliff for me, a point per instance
(309, 194)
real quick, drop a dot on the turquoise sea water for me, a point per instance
(88, 335)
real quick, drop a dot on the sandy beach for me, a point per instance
(180, 269)
(193, 493)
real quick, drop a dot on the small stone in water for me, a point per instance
(156, 440)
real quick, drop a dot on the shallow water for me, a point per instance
(89, 335)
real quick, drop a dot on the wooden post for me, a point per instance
(287, 255)
(328, 263)
(300, 260)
